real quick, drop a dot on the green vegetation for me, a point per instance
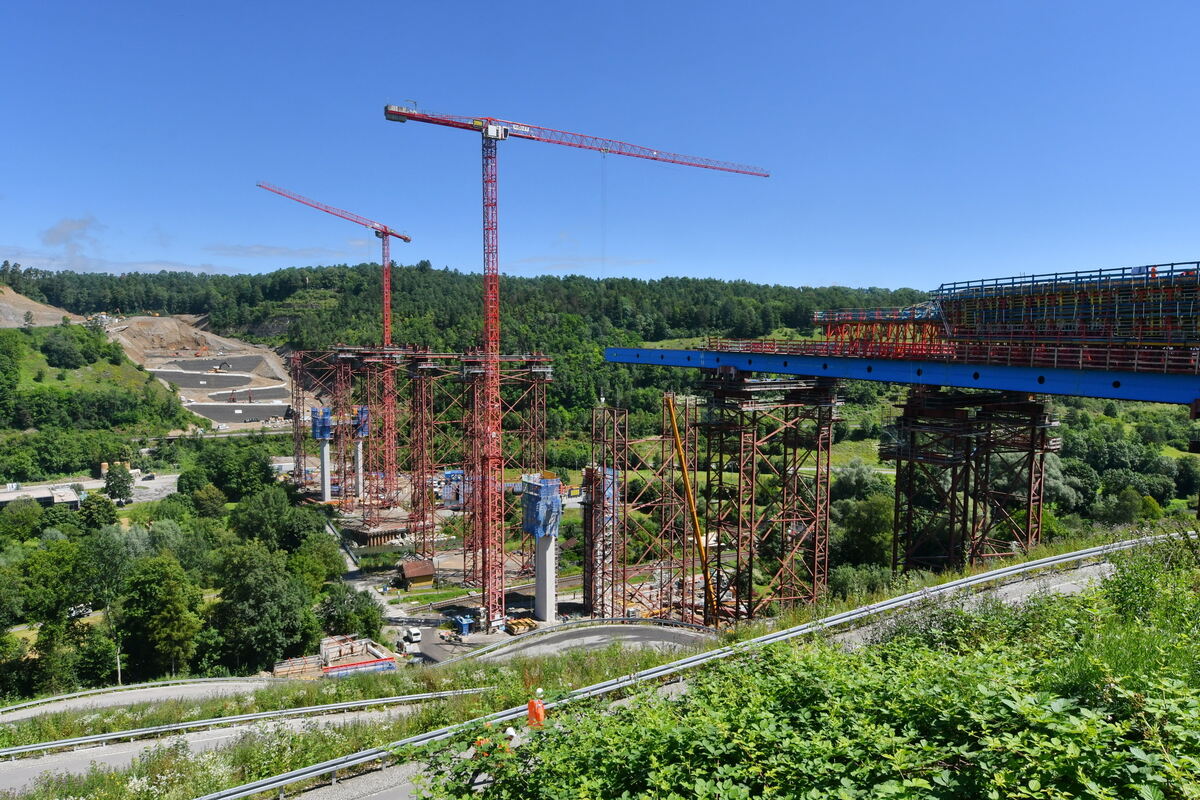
(266, 564)
(1092, 696)
(86, 414)
(176, 774)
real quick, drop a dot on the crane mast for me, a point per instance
(383, 232)
(488, 467)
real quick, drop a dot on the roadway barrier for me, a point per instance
(140, 733)
(133, 686)
(333, 766)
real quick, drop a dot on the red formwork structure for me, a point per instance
(970, 472)
(640, 553)
(434, 441)
(767, 491)
(523, 379)
(1130, 319)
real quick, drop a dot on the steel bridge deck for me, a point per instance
(1147, 386)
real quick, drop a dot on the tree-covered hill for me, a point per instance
(309, 307)
(569, 317)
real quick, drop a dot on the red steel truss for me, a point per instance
(487, 451)
(523, 380)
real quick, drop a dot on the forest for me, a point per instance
(225, 576)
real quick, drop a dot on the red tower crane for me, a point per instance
(490, 501)
(385, 443)
(382, 231)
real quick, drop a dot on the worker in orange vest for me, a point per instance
(537, 710)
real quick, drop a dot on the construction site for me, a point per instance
(722, 515)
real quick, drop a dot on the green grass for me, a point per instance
(847, 450)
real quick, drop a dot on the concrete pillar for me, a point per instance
(546, 574)
(359, 488)
(326, 476)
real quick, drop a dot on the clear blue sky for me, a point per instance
(909, 143)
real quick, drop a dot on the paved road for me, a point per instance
(238, 412)
(19, 775)
(152, 694)
(203, 380)
(600, 636)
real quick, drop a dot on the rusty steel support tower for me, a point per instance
(1009, 476)
(767, 496)
(639, 548)
(969, 476)
(604, 514)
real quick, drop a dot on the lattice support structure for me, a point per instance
(422, 505)
(1009, 477)
(523, 380)
(640, 552)
(969, 476)
(604, 514)
(767, 493)
(931, 445)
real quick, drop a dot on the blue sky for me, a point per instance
(909, 143)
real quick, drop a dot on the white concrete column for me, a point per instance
(358, 469)
(326, 476)
(545, 578)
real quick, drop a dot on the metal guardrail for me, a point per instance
(333, 766)
(583, 623)
(134, 686)
(139, 733)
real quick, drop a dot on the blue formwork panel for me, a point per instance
(1146, 386)
(322, 423)
(541, 506)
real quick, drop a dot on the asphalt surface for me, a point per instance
(203, 380)
(238, 412)
(260, 394)
(20, 774)
(659, 637)
(231, 363)
(143, 490)
(155, 694)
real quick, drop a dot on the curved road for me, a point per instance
(151, 694)
(20, 774)
(663, 638)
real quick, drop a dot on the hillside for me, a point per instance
(70, 398)
(14, 307)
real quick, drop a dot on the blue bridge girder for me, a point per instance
(1146, 386)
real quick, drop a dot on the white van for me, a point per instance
(412, 635)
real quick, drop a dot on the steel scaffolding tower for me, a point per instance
(969, 476)
(768, 454)
(639, 549)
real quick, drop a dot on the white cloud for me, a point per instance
(270, 251)
(42, 259)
